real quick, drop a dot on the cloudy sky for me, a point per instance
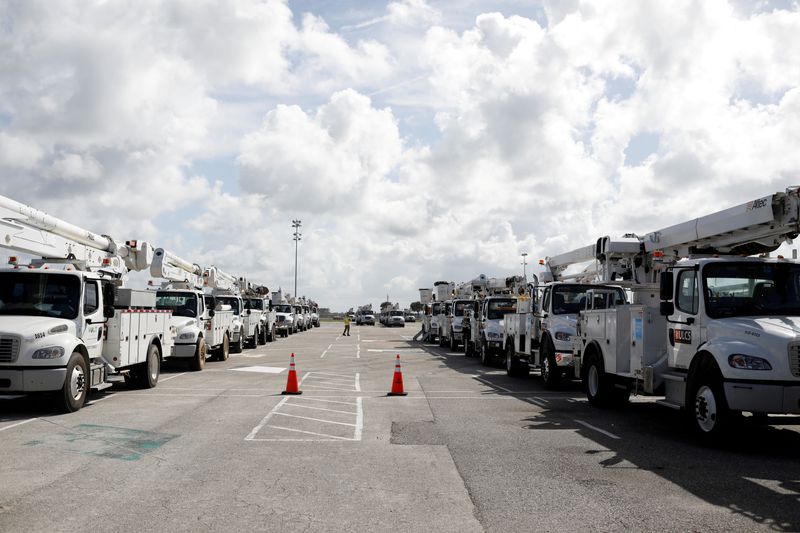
(417, 140)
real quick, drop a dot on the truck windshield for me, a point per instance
(752, 289)
(233, 302)
(435, 309)
(283, 308)
(397, 313)
(499, 308)
(179, 303)
(571, 299)
(256, 303)
(460, 307)
(51, 295)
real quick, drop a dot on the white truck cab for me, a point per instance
(491, 325)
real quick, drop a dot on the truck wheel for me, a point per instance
(237, 346)
(261, 337)
(486, 359)
(441, 341)
(595, 381)
(706, 408)
(75, 389)
(469, 348)
(146, 375)
(514, 367)
(453, 343)
(551, 374)
(272, 334)
(199, 359)
(225, 349)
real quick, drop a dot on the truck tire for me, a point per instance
(486, 358)
(237, 346)
(469, 348)
(146, 374)
(706, 407)
(514, 367)
(225, 348)
(261, 337)
(199, 359)
(73, 393)
(551, 374)
(453, 342)
(595, 381)
(441, 341)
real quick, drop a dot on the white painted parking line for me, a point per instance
(264, 421)
(318, 408)
(316, 419)
(18, 424)
(603, 431)
(327, 437)
(331, 374)
(260, 369)
(171, 377)
(317, 399)
(358, 381)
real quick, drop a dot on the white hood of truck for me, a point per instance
(29, 326)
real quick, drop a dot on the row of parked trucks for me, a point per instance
(68, 323)
(697, 313)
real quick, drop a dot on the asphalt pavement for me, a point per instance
(469, 449)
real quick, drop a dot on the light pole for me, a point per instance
(297, 238)
(524, 264)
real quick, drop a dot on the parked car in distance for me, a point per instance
(410, 318)
(367, 320)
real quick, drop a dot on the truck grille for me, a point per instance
(9, 349)
(794, 359)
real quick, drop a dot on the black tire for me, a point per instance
(146, 374)
(73, 393)
(596, 383)
(551, 374)
(237, 346)
(261, 336)
(469, 348)
(271, 334)
(441, 341)
(486, 358)
(453, 342)
(707, 410)
(514, 367)
(199, 359)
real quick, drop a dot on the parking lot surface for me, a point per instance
(469, 449)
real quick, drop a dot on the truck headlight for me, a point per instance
(51, 352)
(563, 336)
(186, 336)
(748, 362)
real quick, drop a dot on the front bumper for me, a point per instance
(762, 397)
(184, 350)
(32, 379)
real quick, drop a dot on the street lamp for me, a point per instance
(297, 238)
(524, 264)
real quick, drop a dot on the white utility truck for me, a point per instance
(225, 290)
(284, 314)
(202, 327)
(65, 322)
(256, 302)
(425, 298)
(442, 291)
(716, 331)
(470, 329)
(464, 302)
(540, 334)
(256, 314)
(500, 300)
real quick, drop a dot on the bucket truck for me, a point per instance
(315, 314)
(66, 323)
(202, 326)
(425, 298)
(470, 328)
(284, 314)
(442, 291)
(716, 332)
(500, 301)
(258, 321)
(225, 289)
(540, 334)
(464, 302)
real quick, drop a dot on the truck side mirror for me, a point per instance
(108, 311)
(665, 287)
(211, 313)
(109, 295)
(249, 311)
(667, 308)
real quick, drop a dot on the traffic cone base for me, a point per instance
(291, 381)
(397, 382)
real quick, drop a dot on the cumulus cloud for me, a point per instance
(411, 149)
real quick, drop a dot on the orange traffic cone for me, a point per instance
(291, 381)
(397, 382)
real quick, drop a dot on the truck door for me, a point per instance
(93, 321)
(683, 332)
